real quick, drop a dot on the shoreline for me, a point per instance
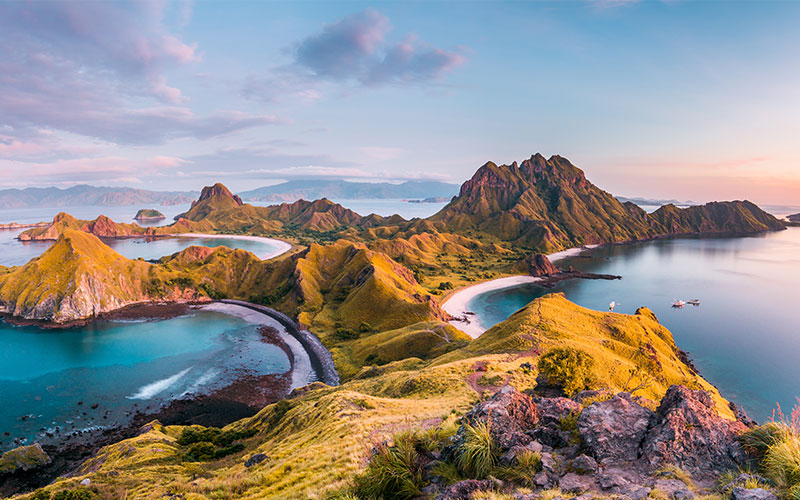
(244, 396)
(282, 246)
(456, 304)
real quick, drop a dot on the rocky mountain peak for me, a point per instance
(218, 190)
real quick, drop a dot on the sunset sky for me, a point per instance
(669, 99)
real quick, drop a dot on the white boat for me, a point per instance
(694, 302)
(612, 305)
(679, 303)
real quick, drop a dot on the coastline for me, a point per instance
(282, 246)
(243, 397)
(456, 304)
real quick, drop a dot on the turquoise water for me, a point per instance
(745, 335)
(123, 366)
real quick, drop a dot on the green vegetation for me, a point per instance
(477, 455)
(776, 446)
(395, 471)
(568, 368)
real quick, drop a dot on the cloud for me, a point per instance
(95, 171)
(353, 50)
(99, 69)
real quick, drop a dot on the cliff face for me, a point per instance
(548, 204)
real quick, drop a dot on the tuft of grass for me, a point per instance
(477, 455)
(448, 472)
(671, 471)
(782, 462)
(757, 441)
(550, 494)
(528, 464)
(394, 472)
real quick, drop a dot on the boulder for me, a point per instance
(572, 482)
(688, 432)
(510, 457)
(465, 489)
(509, 414)
(255, 460)
(612, 430)
(584, 464)
(752, 494)
(552, 410)
(674, 489)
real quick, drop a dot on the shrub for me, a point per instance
(477, 454)
(345, 334)
(364, 327)
(79, 494)
(40, 495)
(211, 443)
(446, 285)
(570, 369)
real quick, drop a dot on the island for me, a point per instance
(556, 397)
(149, 214)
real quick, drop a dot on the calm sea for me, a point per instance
(745, 335)
(122, 366)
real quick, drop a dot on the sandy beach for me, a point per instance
(302, 372)
(281, 246)
(456, 304)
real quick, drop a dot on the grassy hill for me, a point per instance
(316, 441)
(79, 276)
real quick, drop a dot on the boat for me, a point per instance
(612, 305)
(694, 302)
(679, 304)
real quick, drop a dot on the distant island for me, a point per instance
(84, 195)
(302, 189)
(794, 218)
(435, 199)
(652, 202)
(147, 214)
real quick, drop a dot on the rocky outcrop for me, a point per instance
(617, 446)
(509, 414)
(24, 458)
(537, 265)
(612, 431)
(688, 432)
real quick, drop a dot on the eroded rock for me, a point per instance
(613, 430)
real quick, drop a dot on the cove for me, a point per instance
(16, 253)
(125, 366)
(745, 335)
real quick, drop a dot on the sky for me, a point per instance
(661, 99)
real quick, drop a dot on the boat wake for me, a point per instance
(150, 390)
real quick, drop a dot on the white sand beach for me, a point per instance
(456, 304)
(281, 246)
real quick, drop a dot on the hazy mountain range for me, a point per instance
(85, 195)
(346, 190)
